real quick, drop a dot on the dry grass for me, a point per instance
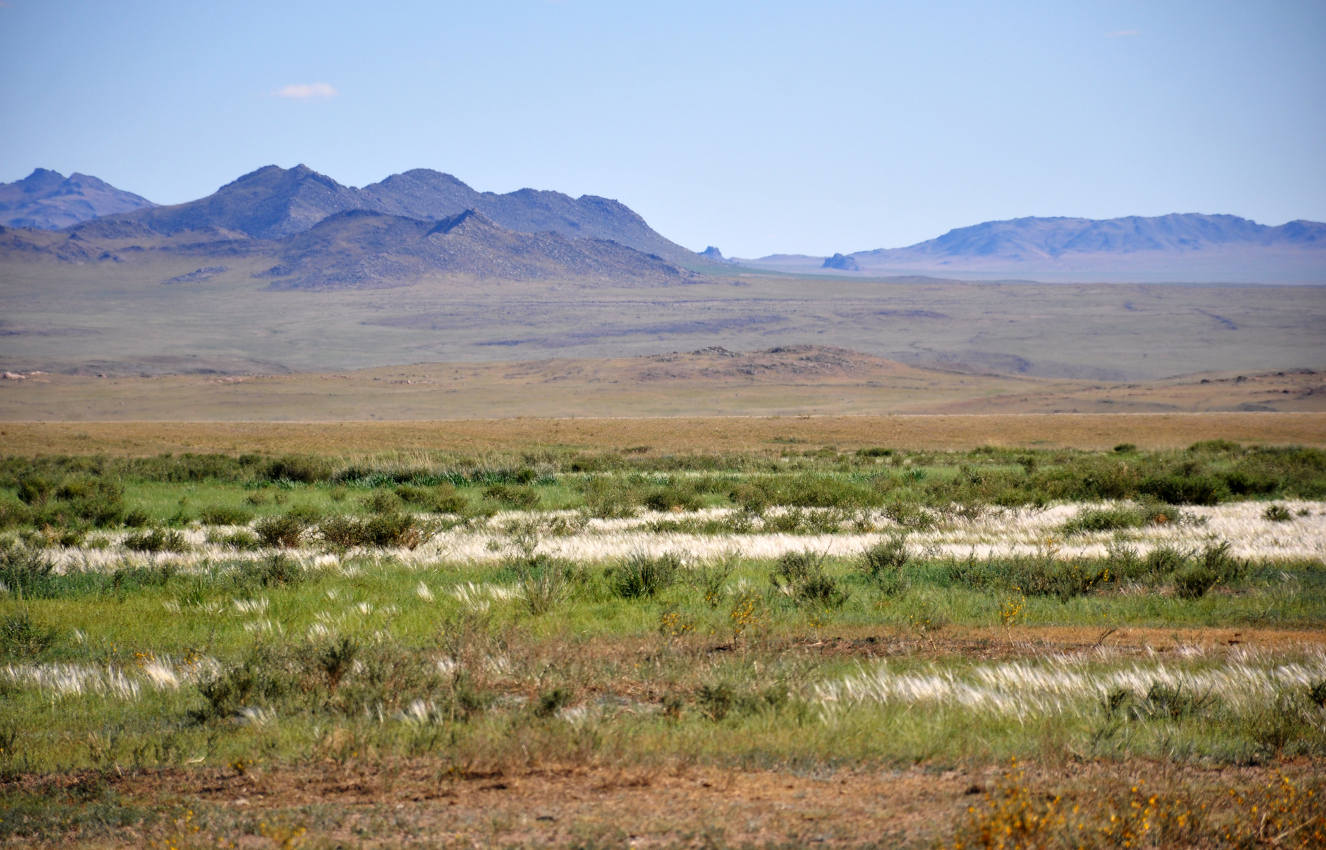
(788, 381)
(679, 434)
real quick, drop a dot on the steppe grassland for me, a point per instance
(797, 608)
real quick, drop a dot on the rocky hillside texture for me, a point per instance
(359, 248)
(317, 234)
(47, 200)
(274, 202)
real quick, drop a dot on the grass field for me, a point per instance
(742, 633)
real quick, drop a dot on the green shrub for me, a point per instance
(241, 540)
(225, 515)
(1040, 574)
(442, 499)
(1172, 702)
(883, 564)
(1277, 513)
(156, 540)
(284, 530)
(390, 529)
(136, 518)
(518, 496)
(384, 502)
(1164, 561)
(801, 576)
(296, 469)
(1184, 489)
(276, 570)
(542, 583)
(1212, 566)
(644, 575)
(20, 637)
(1091, 520)
(552, 701)
(674, 496)
(27, 570)
(258, 680)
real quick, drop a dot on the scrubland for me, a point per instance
(572, 646)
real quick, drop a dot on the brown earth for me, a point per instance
(426, 802)
(782, 381)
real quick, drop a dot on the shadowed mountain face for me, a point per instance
(360, 248)
(273, 203)
(47, 200)
(268, 203)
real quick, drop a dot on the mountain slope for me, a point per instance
(363, 248)
(47, 200)
(268, 203)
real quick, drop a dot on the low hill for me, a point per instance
(47, 200)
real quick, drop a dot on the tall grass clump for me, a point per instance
(644, 575)
(884, 563)
(801, 577)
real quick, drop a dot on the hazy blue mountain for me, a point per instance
(1177, 247)
(273, 202)
(47, 200)
(1027, 238)
(426, 194)
(268, 203)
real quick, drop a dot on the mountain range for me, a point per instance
(324, 235)
(406, 227)
(48, 200)
(1188, 247)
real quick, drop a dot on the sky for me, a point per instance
(759, 127)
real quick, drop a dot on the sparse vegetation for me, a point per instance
(736, 613)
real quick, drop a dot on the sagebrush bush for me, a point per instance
(1104, 519)
(380, 530)
(519, 496)
(883, 564)
(286, 530)
(297, 469)
(157, 540)
(27, 570)
(801, 576)
(644, 575)
(225, 515)
(22, 637)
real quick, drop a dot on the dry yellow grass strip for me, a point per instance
(679, 434)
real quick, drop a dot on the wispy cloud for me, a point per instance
(306, 91)
(1123, 33)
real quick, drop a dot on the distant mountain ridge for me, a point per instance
(47, 200)
(1178, 247)
(318, 234)
(1024, 238)
(274, 202)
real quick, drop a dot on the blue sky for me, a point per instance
(757, 127)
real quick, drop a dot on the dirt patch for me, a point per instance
(425, 802)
